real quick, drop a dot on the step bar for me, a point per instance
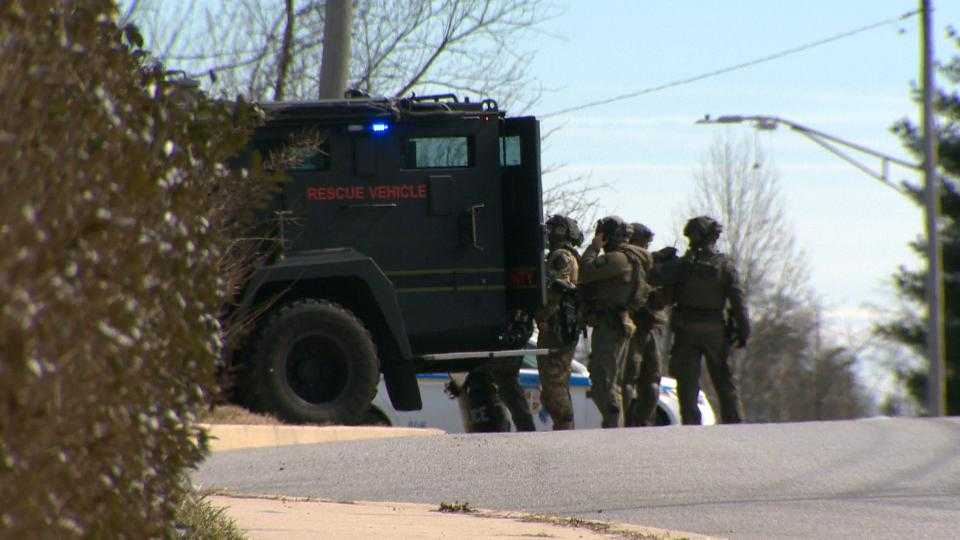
(466, 361)
(443, 357)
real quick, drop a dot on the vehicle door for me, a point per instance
(523, 213)
(449, 266)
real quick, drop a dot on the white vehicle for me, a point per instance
(443, 412)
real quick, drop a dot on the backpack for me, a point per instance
(640, 290)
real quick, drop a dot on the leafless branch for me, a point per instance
(399, 46)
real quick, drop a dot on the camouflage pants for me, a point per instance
(692, 342)
(641, 376)
(609, 346)
(511, 393)
(555, 380)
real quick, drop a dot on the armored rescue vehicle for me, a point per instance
(412, 242)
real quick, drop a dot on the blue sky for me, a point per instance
(854, 230)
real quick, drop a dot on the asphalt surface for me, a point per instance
(878, 478)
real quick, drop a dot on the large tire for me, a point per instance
(314, 362)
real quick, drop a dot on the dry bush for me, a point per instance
(109, 289)
(236, 415)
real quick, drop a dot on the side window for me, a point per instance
(306, 159)
(438, 153)
(301, 151)
(510, 151)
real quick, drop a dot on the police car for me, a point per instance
(442, 411)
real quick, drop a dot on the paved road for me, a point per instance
(879, 478)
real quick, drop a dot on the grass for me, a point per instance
(459, 507)
(198, 519)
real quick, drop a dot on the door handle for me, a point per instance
(470, 226)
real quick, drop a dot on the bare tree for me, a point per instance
(577, 197)
(788, 371)
(399, 46)
(737, 184)
(286, 51)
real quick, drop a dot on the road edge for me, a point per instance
(610, 528)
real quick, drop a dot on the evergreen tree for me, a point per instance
(910, 329)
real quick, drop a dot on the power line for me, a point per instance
(721, 71)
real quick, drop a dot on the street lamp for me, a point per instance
(833, 144)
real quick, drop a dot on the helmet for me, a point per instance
(641, 234)
(565, 229)
(702, 229)
(615, 230)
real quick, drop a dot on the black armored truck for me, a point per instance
(412, 242)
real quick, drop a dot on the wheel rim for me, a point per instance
(317, 369)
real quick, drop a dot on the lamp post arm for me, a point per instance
(881, 176)
(827, 141)
(860, 148)
(768, 122)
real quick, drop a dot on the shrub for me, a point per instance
(113, 235)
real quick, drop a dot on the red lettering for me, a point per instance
(335, 193)
(356, 193)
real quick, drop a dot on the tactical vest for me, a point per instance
(702, 285)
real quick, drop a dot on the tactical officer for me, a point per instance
(641, 377)
(708, 285)
(557, 324)
(491, 389)
(485, 411)
(507, 379)
(616, 286)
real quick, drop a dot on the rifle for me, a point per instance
(569, 326)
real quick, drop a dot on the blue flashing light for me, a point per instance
(379, 127)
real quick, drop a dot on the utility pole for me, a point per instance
(335, 62)
(936, 386)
